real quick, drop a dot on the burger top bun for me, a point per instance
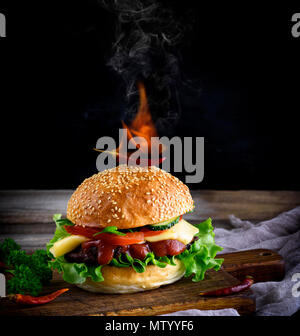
(128, 197)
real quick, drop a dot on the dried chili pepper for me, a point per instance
(245, 284)
(139, 161)
(36, 300)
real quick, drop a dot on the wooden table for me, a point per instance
(26, 215)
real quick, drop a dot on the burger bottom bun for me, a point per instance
(126, 280)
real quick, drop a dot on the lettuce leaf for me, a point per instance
(139, 266)
(201, 255)
(197, 259)
(60, 232)
(76, 273)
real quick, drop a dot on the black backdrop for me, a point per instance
(58, 96)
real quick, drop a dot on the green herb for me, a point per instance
(111, 229)
(37, 262)
(6, 247)
(24, 281)
(30, 272)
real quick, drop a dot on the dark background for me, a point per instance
(58, 96)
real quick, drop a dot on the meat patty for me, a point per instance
(90, 255)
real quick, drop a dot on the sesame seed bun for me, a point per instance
(126, 280)
(128, 197)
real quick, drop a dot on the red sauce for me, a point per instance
(167, 247)
(105, 254)
(105, 251)
(139, 251)
(123, 249)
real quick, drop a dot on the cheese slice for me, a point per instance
(182, 231)
(66, 245)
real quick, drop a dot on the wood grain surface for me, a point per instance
(181, 295)
(26, 216)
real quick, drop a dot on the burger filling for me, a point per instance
(80, 252)
(95, 252)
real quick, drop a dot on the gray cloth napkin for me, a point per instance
(280, 234)
(197, 312)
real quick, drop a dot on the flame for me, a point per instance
(142, 125)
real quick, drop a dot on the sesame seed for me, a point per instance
(160, 185)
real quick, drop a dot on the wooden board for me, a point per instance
(182, 295)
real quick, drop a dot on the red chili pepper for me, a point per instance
(37, 300)
(245, 284)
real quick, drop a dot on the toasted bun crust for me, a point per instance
(125, 280)
(128, 197)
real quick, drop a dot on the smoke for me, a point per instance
(146, 35)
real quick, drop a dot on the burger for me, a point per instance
(125, 233)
